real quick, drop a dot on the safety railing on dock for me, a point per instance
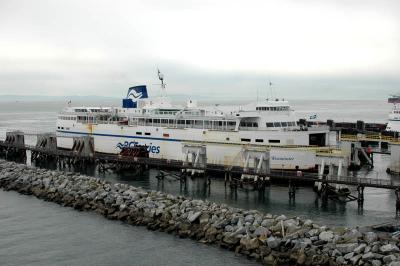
(370, 137)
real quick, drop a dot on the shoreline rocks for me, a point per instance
(270, 239)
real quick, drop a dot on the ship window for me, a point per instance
(156, 121)
(246, 140)
(181, 122)
(199, 123)
(147, 133)
(171, 122)
(277, 124)
(138, 133)
(164, 121)
(227, 139)
(166, 135)
(248, 124)
(58, 127)
(259, 140)
(149, 121)
(274, 141)
(270, 124)
(284, 124)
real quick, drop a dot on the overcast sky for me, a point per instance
(225, 48)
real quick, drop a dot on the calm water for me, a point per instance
(41, 233)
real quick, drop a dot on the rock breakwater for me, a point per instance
(271, 239)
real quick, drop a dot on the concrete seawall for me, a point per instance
(271, 239)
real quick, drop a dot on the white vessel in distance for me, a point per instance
(394, 116)
(164, 128)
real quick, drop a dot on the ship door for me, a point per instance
(317, 139)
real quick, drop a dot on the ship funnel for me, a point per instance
(134, 93)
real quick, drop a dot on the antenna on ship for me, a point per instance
(270, 88)
(161, 78)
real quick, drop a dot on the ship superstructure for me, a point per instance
(163, 127)
(394, 116)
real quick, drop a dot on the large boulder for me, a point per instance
(273, 242)
(346, 248)
(326, 236)
(193, 217)
(370, 237)
(261, 231)
(388, 248)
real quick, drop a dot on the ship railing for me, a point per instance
(359, 180)
(370, 137)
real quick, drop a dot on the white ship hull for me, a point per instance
(222, 147)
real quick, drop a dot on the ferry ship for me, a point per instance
(394, 116)
(164, 127)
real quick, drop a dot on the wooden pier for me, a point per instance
(233, 174)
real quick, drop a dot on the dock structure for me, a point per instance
(389, 145)
(256, 166)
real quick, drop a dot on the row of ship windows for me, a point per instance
(277, 108)
(67, 118)
(166, 135)
(282, 124)
(195, 122)
(260, 140)
(91, 110)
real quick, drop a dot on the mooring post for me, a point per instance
(226, 178)
(324, 191)
(292, 190)
(397, 192)
(360, 200)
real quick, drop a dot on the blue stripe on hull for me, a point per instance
(118, 136)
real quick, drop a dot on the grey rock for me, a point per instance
(389, 258)
(376, 263)
(355, 259)
(267, 222)
(394, 263)
(375, 248)
(360, 248)
(326, 236)
(273, 242)
(307, 223)
(261, 231)
(367, 249)
(368, 256)
(340, 260)
(370, 237)
(346, 248)
(336, 253)
(313, 232)
(348, 255)
(281, 218)
(249, 219)
(389, 248)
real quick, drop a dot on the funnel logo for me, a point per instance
(138, 92)
(135, 95)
